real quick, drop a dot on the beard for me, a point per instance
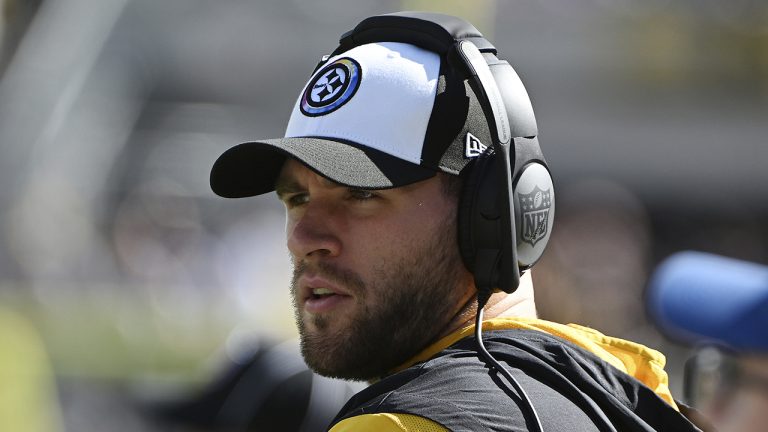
(403, 309)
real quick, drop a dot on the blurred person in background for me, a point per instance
(267, 388)
(720, 304)
(392, 149)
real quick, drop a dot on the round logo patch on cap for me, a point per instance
(331, 87)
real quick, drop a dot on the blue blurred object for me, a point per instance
(703, 297)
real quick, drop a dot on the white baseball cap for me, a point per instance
(377, 116)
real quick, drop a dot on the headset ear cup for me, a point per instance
(464, 218)
(534, 197)
(469, 215)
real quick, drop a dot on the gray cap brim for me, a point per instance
(251, 168)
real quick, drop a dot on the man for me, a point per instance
(375, 173)
(721, 304)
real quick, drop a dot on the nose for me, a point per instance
(313, 233)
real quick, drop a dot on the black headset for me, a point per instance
(507, 203)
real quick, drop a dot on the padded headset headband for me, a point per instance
(434, 32)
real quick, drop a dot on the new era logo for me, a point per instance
(473, 147)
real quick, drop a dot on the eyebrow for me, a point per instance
(285, 186)
(288, 185)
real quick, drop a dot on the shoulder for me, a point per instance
(458, 390)
(387, 422)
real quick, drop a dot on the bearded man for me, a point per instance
(417, 198)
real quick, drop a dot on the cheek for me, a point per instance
(391, 239)
(392, 235)
(377, 245)
(375, 238)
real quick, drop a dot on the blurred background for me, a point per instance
(125, 282)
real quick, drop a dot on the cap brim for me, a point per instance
(251, 168)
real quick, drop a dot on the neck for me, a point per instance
(519, 304)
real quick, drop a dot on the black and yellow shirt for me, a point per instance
(576, 377)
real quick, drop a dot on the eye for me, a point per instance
(361, 195)
(295, 200)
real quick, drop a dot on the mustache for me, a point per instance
(346, 278)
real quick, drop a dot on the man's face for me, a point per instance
(377, 274)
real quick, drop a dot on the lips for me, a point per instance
(318, 295)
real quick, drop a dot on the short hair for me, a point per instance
(451, 185)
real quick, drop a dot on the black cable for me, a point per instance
(482, 298)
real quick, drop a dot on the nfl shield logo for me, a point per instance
(534, 214)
